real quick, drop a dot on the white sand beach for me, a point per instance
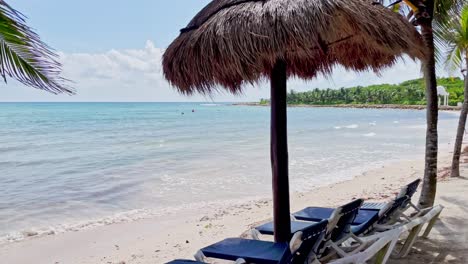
(179, 235)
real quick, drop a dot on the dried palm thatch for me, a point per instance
(234, 42)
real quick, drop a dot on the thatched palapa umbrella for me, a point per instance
(231, 43)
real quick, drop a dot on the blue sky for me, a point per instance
(98, 26)
(112, 51)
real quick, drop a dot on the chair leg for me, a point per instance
(384, 254)
(430, 225)
(357, 239)
(380, 256)
(255, 234)
(199, 256)
(409, 242)
(313, 260)
(338, 250)
(241, 261)
(415, 207)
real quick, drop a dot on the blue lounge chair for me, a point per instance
(407, 191)
(370, 214)
(339, 215)
(338, 230)
(387, 215)
(301, 249)
(366, 219)
(185, 261)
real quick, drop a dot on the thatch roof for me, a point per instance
(234, 42)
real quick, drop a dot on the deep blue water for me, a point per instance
(64, 163)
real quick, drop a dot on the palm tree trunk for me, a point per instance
(461, 131)
(429, 187)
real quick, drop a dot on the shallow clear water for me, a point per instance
(65, 163)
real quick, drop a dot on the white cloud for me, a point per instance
(136, 75)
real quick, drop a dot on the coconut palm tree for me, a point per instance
(431, 16)
(24, 57)
(455, 35)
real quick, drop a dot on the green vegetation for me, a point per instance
(411, 92)
(264, 101)
(24, 57)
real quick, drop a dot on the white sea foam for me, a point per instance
(353, 126)
(123, 217)
(370, 134)
(210, 104)
(399, 145)
(417, 127)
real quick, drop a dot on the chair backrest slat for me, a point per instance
(387, 213)
(412, 188)
(310, 240)
(348, 214)
(408, 191)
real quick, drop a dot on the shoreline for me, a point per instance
(358, 106)
(134, 215)
(180, 234)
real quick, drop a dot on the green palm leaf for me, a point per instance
(24, 57)
(445, 13)
(454, 35)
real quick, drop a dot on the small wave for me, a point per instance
(5, 149)
(400, 145)
(373, 123)
(396, 122)
(353, 126)
(47, 231)
(210, 104)
(370, 135)
(417, 127)
(123, 217)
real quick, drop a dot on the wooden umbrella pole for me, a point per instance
(279, 153)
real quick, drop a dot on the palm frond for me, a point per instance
(445, 9)
(24, 57)
(445, 13)
(454, 58)
(454, 36)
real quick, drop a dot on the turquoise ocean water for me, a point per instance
(66, 166)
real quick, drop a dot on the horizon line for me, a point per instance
(206, 102)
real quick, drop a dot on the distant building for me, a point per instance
(443, 94)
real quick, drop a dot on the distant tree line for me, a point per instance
(411, 92)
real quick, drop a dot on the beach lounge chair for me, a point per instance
(380, 246)
(371, 215)
(366, 222)
(378, 250)
(188, 261)
(415, 226)
(338, 230)
(185, 261)
(301, 249)
(406, 191)
(364, 219)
